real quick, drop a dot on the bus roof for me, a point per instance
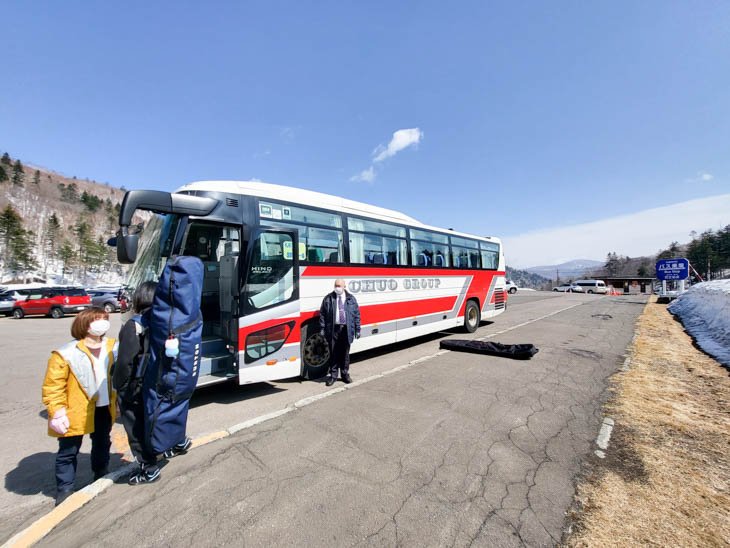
(315, 199)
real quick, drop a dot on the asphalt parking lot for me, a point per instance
(513, 434)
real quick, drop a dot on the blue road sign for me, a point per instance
(672, 269)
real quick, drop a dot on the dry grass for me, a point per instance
(666, 476)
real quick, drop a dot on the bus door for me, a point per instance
(269, 326)
(218, 247)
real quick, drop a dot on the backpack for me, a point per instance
(141, 326)
(169, 381)
(127, 377)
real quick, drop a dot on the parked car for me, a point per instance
(511, 287)
(53, 301)
(592, 286)
(108, 299)
(7, 300)
(18, 294)
(568, 288)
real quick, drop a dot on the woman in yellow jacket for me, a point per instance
(78, 395)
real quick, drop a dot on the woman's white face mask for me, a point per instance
(99, 327)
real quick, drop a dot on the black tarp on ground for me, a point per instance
(513, 351)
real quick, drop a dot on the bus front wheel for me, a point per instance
(472, 317)
(315, 353)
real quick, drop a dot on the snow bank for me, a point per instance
(704, 311)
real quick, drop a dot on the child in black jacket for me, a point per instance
(127, 381)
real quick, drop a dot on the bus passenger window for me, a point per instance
(490, 255)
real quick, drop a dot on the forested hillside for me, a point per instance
(54, 228)
(523, 278)
(708, 253)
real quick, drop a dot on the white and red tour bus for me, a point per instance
(271, 253)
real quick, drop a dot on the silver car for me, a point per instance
(108, 299)
(8, 298)
(568, 288)
(6, 304)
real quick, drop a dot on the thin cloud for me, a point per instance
(365, 176)
(634, 235)
(288, 134)
(701, 177)
(402, 139)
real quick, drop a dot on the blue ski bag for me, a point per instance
(169, 382)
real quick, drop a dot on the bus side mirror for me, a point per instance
(127, 247)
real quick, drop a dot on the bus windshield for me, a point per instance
(155, 245)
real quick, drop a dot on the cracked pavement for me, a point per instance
(459, 450)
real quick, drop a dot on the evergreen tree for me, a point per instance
(22, 247)
(18, 174)
(67, 255)
(87, 252)
(110, 215)
(50, 239)
(3, 175)
(613, 264)
(91, 201)
(10, 225)
(37, 178)
(6, 160)
(69, 193)
(644, 270)
(670, 253)
(17, 243)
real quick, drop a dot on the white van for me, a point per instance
(592, 286)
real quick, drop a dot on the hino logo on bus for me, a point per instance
(391, 284)
(261, 269)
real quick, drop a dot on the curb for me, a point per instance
(43, 525)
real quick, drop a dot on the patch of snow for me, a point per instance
(704, 310)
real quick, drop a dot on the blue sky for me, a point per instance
(524, 117)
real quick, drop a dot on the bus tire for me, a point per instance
(315, 353)
(472, 316)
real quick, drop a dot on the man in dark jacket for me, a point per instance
(339, 324)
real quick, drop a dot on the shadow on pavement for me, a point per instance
(231, 392)
(35, 474)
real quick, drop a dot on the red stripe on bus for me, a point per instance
(345, 271)
(378, 313)
(369, 314)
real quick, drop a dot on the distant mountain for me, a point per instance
(566, 271)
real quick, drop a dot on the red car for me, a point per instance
(55, 302)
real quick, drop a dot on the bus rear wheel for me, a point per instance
(472, 317)
(315, 353)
